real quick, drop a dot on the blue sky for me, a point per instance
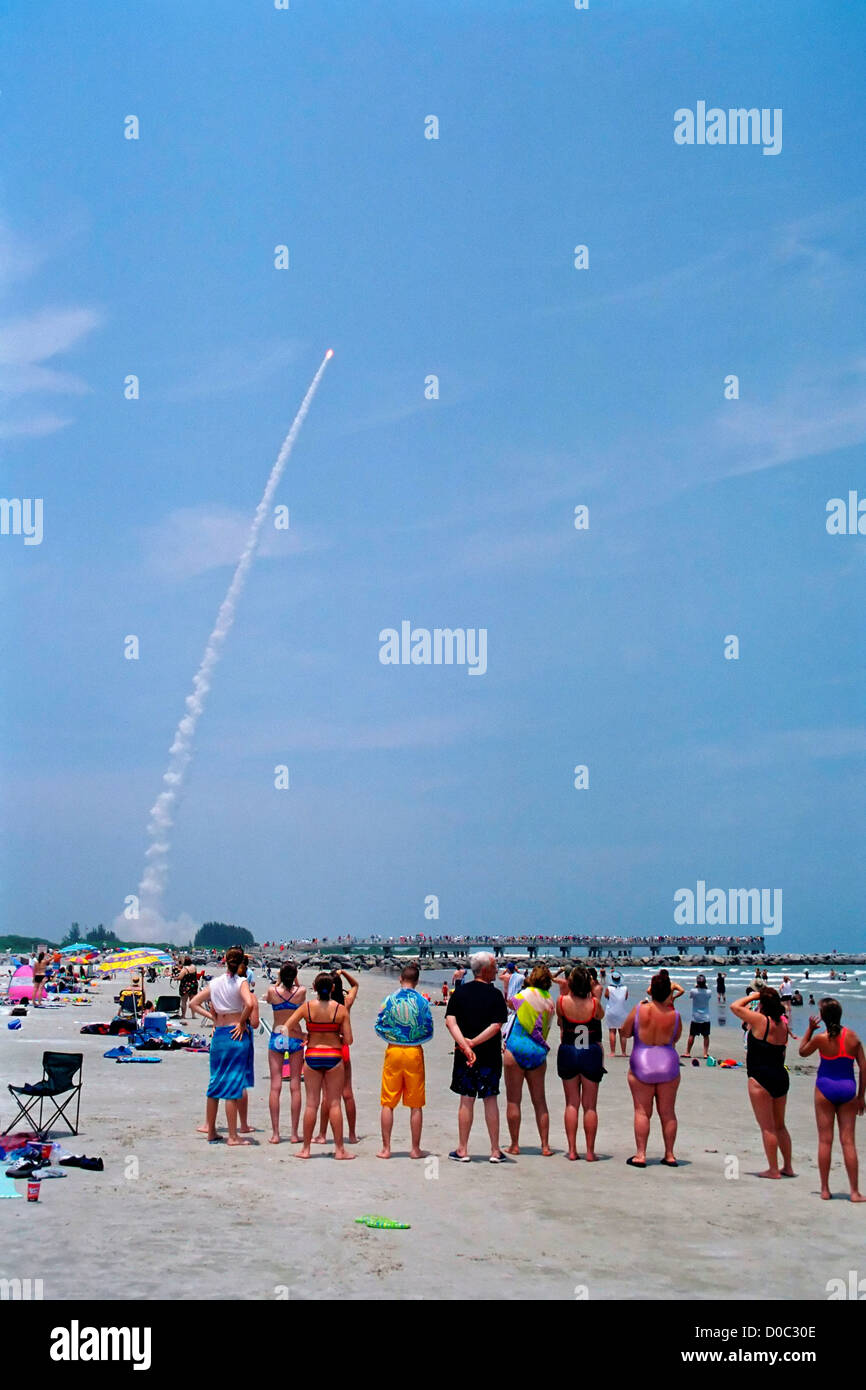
(558, 387)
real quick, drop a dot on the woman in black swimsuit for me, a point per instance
(768, 1076)
(187, 984)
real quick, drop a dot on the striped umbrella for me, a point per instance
(133, 960)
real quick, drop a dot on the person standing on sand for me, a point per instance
(187, 984)
(837, 1095)
(700, 1024)
(284, 997)
(231, 1007)
(654, 1067)
(720, 988)
(348, 1094)
(405, 1022)
(525, 1056)
(511, 979)
(616, 1012)
(580, 1059)
(328, 1031)
(474, 1018)
(766, 1039)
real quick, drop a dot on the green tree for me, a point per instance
(221, 935)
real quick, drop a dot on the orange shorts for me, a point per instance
(403, 1076)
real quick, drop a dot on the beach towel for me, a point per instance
(405, 1019)
(231, 1064)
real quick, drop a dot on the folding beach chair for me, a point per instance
(59, 1073)
(168, 1004)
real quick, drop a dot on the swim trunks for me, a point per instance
(403, 1077)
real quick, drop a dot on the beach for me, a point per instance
(174, 1217)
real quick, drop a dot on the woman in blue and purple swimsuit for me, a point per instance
(838, 1097)
(654, 1067)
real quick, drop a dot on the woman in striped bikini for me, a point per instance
(284, 997)
(328, 1032)
(838, 1097)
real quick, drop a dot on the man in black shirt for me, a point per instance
(474, 1018)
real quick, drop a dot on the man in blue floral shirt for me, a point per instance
(405, 1021)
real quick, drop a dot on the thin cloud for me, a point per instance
(233, 368)
(194, 540)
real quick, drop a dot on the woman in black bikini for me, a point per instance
(768, 1076)
(39, 968)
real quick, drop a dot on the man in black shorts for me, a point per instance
(700, 1024)
(474, 1018)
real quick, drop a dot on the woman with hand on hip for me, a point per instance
(231, 1005)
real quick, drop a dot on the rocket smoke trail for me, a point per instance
(153, 881)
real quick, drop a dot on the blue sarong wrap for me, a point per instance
(231, 1064)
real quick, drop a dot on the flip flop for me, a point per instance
(459, 1158)
(497, 1158)
(669, 1163)
(633, 1163)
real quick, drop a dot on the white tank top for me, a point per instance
(225, 994)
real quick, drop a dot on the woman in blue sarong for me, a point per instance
(525, 1057)
(230, 1005)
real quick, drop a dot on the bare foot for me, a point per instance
(319, 1139)
(304, 1153)
(202, 1129)
(341, 1153)
(573, 1157)
(770, 1173)
(238, 1143)
(547, 1153)
(384, 1153)
(249, 1129)
(788, 1173)
(590, 1157)
(513, 1149)
(857, 1197)
(274, 1139)
(418, 1153)
(295, 1139)
(353, 1139)
(827, 1195)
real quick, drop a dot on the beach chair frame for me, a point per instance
(59, 1070)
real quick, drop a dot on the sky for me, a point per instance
(602, 387)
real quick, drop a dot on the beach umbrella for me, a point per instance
(78, 946)
(133, 960)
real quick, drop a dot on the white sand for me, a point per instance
(202, 1221)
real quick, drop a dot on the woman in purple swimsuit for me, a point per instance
(654, 1067)
(837, 1094)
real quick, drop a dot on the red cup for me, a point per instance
(46, 1150)
(33, 1191)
